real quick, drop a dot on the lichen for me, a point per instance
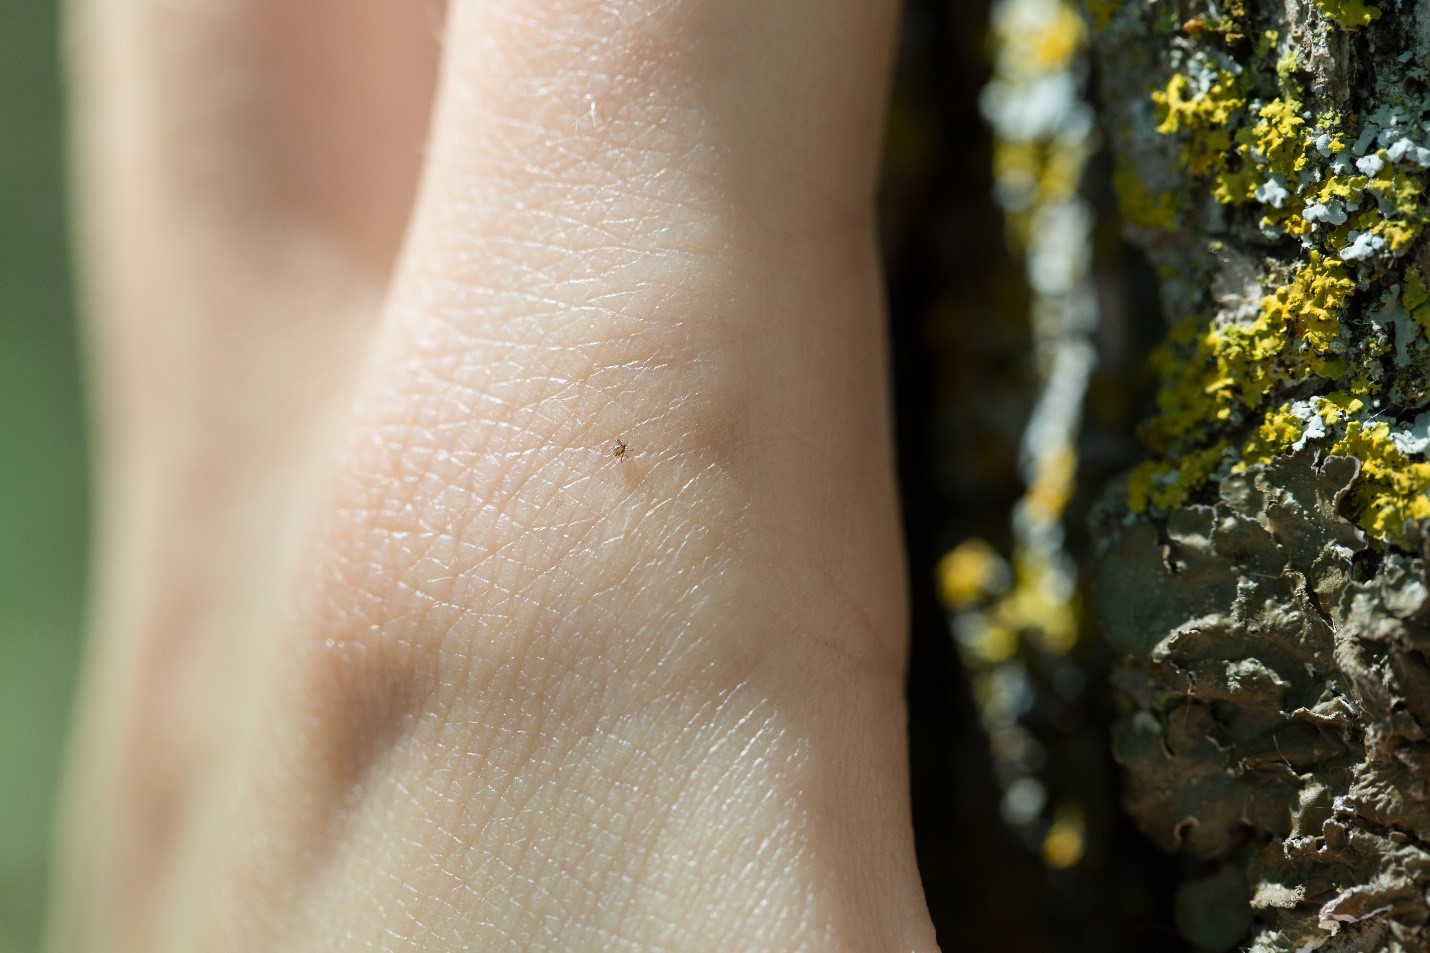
(1279, 687)
(1204, 119)
(1264, 572)
(1016, 616)
(1349, 14)
(1140, 207)
(1394, 491)
(1101, 12)
(1248, 132)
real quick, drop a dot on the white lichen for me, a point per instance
(1363, 247)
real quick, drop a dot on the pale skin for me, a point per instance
(497, 541)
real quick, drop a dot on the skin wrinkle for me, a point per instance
(576, 59)
(634, 875)
(514, 524)
(502, 511)
(537, 594)
(658, 170)
(538, 507)
(380, 712)
(528, 757)
(388, 716)
(174, 649)
(532, 153)
(517, 317)
(639, 346)
(714, 749)
(766, 855)
(609, 836)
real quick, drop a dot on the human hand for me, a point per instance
(393, 649)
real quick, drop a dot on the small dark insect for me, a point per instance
(620, 449)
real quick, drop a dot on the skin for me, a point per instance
(391, 649)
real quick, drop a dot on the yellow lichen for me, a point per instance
(1038, 605)
(1140, 484)
(1017, 166)
(1220, 372)
(1415, 298)
(1403, 196)
(1280, 136)
(1139, 206)
(1066, 839)
(1205, 117)
(1334, 407)
(1289, 63)
(1102, 12)
(1053, 46)
(1393, 489)
(1213, 373)
(1338, 191)
(1237, 186)
(1349, 14)
(991, 645)
(1274, 145)
(1311, 305)
(1234, 158)
(1165, 484)
(1233, 385)
(1053, 485)
(1062, 174)
(971, 572)
(1278, 432)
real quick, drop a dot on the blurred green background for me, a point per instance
(42, 464)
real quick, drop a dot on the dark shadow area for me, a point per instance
(964, 384)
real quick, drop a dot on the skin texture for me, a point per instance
(392, 650)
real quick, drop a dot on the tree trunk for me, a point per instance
(1264, 573)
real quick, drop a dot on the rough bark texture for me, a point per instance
(1265, 571)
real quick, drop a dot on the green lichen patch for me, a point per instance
(1279, 688)
(1349, 14)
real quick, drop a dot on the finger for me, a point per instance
(244, 172)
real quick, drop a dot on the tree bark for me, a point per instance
(1264, 572)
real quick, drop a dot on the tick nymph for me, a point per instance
(620, 449)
